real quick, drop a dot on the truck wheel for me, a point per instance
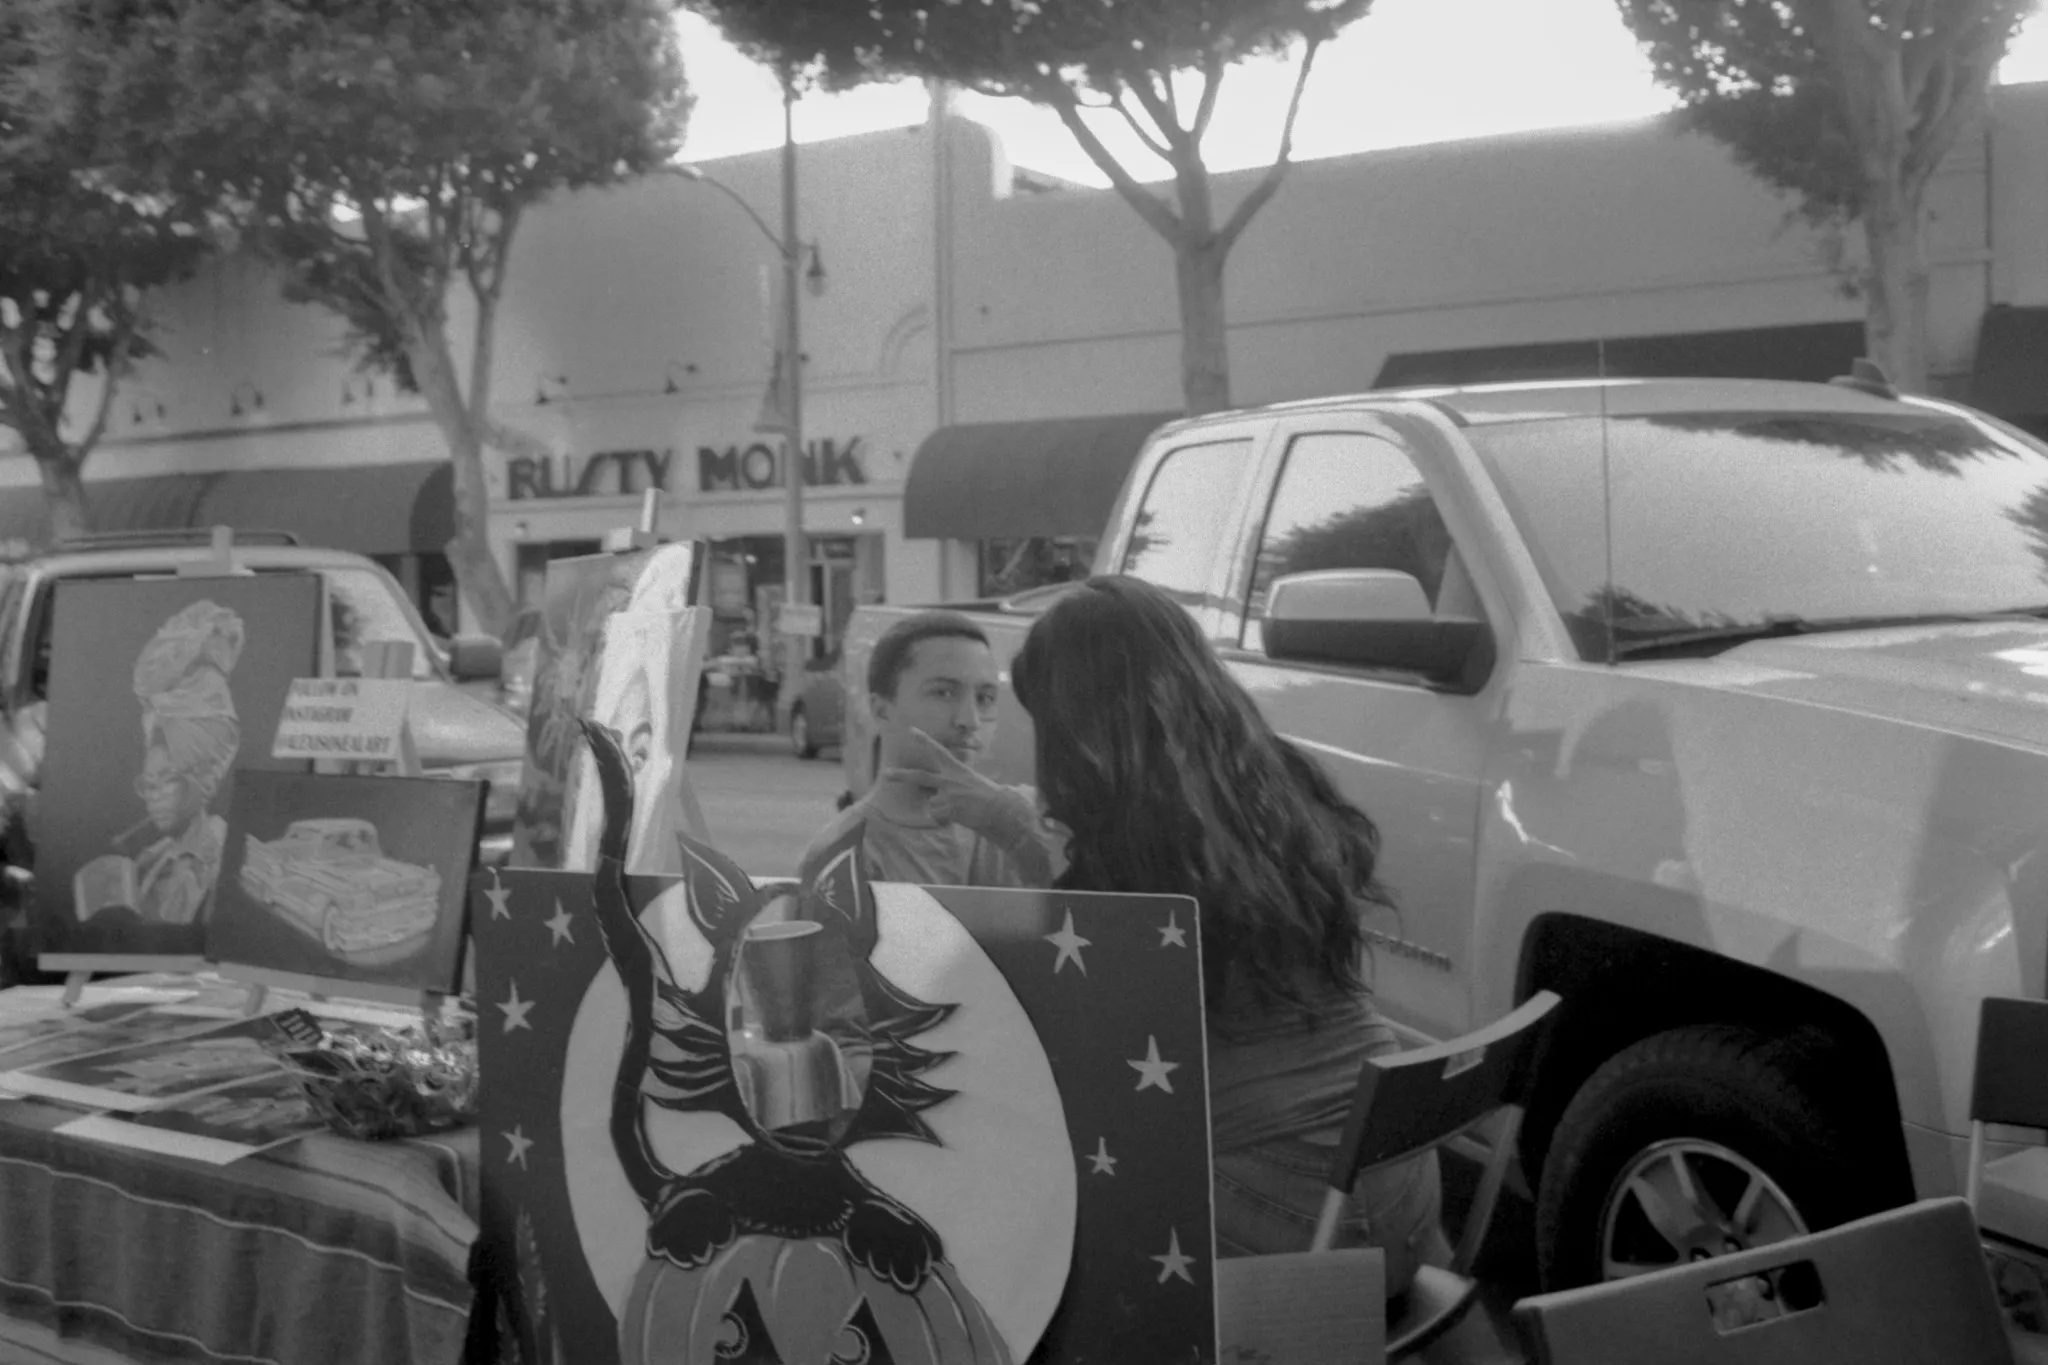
(1695, 1143)
(800, 733)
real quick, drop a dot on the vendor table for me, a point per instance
(320, 1250)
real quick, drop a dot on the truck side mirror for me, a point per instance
(476, 658)
(1373, 618)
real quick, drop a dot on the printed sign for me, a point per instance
(717, 1114)
(352, 718)
(801, 619)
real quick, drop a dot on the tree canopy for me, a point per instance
(1850, 105)
(80, 249)
(1157, 64)
(383, 152)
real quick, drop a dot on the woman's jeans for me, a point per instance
(1269, 1196)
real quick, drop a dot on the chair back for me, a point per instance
(1408, 1101)
(2010, 1084)
(1903, 1287)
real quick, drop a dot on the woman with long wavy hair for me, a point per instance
(1167, 779)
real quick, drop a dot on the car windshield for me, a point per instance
(1729, 525)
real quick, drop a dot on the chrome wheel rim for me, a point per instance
(1689, 1200)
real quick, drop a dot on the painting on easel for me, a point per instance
(347, 879)
(836, 1121)
(159, 688)
(622, 642)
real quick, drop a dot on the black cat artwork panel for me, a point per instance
(838, 1122)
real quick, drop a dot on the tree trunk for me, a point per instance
(1204, 342)
(63, 491)
(477, 574)
(1895, 314)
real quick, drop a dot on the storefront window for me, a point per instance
(1013, 565)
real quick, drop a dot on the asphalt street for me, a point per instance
(763, 803)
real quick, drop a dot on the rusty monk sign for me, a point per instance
(732, 468)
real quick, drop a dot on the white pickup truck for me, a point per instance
(1718, 707)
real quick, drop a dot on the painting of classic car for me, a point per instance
(329, 879)
(354, 879)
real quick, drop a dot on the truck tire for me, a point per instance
(1697, 1142)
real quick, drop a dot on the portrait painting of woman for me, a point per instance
(159, 690)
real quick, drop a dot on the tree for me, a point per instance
(78, 256)
(1158, 64)
(384, 152)
(1849, 104)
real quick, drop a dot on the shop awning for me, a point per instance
(1052, 477)
(371, 509)
(1814, 351)
(2010, 377)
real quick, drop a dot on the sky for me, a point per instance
(1411, 71)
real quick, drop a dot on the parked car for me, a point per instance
(819, 711)
(1714, 706)
(457, 733)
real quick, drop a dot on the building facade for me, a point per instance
(987, 349)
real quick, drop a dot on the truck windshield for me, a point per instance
(363, 609)
(1731, 525)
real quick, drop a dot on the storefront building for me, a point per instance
(986, 350)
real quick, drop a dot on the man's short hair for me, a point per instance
(892, 651)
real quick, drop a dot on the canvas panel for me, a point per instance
(160, 689)
(1052, 1054)
(347, 879)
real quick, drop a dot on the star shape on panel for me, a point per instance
(1151, 1071)
(1171, 935)
(516, 1010)
(1102, 1163)
(559, 925)
(1173, 1262)
(499, 898)
(1070, 945)
(520, 1142)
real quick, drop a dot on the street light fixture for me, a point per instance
(790, 247)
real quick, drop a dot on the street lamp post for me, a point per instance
(795, 545)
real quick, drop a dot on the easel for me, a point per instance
(625, 540)
(382, 660)
(78, 968)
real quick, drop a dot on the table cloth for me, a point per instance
(320, 1250)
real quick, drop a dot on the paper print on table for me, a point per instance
(840, 1122)
(158, 689)
(56, 1019)
(145, 1075)
(347, 879)
(106, 1032)
(620, 641)
(218, 1126)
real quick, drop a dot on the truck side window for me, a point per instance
(1180, 524)
(1347, 501)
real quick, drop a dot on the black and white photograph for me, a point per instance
(1508, 537)
(348, 879)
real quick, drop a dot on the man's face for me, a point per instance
(948, 690)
